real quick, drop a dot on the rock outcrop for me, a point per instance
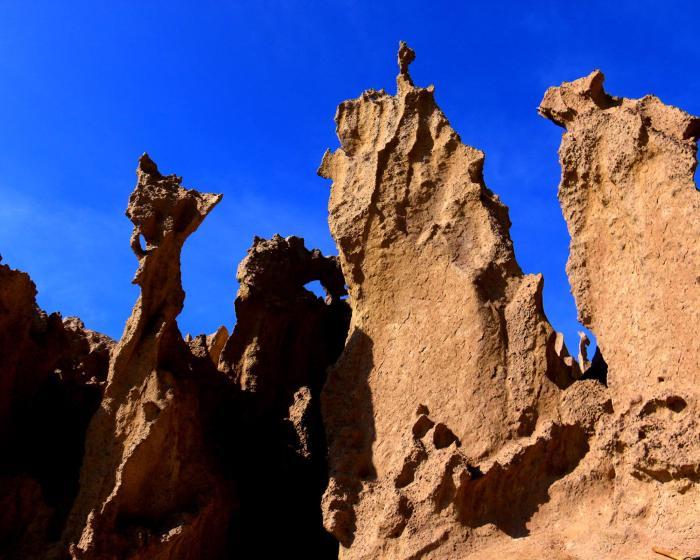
(633, 212)
(443, 321)
(284, 339)
(425, 408)
(196, 439)
(52, 372)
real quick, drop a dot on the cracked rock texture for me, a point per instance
(425, 407)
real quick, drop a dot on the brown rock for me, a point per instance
(443, 320)
(633, 212)
(150, 485)
(51, 377)
(434, 414)
(284, 339)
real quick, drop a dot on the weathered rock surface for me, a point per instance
(51, 375)
(443, 321)
(633, 212)
(196, 439)
(151, 486)
(284, 339)
(434, 414)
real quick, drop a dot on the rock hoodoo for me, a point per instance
(443, 321)
(425, 408)
(150, 487)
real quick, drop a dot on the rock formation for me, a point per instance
(633, 212)
(425, 408)
(285, 338)
(443, 321)
(52, 371)
(149, 486)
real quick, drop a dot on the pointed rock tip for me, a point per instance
(405, 57)
(147, 165)
(561, 104)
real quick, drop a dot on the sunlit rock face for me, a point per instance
(633, 212)
(425, 408)
(151, 486)
(447, 400)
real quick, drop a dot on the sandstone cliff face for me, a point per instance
(449, 383)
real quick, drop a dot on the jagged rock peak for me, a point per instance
(150, 485)
(160, 208)
(284, 263)
(283, 342)
(405, 57)
(442, 318)
(52, 371)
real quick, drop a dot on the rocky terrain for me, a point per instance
(425, 408)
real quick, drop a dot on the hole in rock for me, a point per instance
(279, 460)
(474, 472)
(315, 287)
(443, 436)
(676, 404)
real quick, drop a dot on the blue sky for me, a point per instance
(239, 97)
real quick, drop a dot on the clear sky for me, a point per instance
(239, 96)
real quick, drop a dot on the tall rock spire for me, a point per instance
(450, 364)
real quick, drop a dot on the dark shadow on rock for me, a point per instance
(348, 415)
(278, 354)
(508, 495)
(280, 487)
(598, 369)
